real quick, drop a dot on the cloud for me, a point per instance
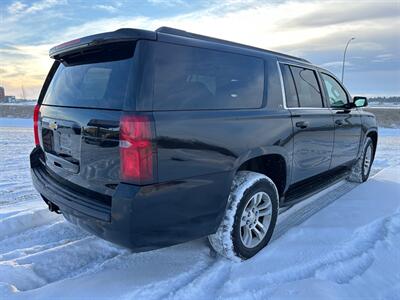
(167, 3)
(16, 7)
(19, 8)
(13, 54)
(351, 11)
(108, 8)
(25, 65)
(4, 46)
(317, 31)
(253, 24)
(336, 64)
(44, 4)
(383, 58)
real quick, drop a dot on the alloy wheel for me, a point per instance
(255, 219)
(367, 160)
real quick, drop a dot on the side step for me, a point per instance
(313, 186)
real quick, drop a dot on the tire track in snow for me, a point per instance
(207, 284)
(22, 221)
(162, 289)
(39, 239)
(166, 288)
(37, 247)
(341, 265)
(54, 264)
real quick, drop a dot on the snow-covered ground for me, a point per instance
(20, 103)
(384, 104)
(342, 243)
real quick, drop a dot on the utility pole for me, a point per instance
(344, 56)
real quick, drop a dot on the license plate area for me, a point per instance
(61, 141)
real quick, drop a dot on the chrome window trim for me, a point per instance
(283, 86)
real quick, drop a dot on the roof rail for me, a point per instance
(179, 32)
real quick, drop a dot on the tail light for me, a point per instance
(137, 153)
(36, 113)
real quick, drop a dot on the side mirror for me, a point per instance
(360, 101)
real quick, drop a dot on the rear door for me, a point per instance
(80, 116)
(347, 121)
(312, 122)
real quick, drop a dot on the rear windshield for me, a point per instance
(196, 78)
(96, 78)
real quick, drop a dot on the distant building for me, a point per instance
(2, 94)
(6, 99)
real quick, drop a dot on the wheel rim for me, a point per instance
(367, 160)
(255, 219)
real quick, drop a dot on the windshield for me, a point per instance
(95, 79)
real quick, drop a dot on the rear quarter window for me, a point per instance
(190, 78)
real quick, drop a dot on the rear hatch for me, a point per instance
(80, 114)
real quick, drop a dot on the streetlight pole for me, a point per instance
(344, 56)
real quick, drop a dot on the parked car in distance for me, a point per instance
(150, 139)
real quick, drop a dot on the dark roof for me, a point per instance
(178, 32)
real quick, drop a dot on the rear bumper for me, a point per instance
(142, 217)
(66, 199)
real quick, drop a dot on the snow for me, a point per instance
(20, 103)
(16, 122)
(342, 243)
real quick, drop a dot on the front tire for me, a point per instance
(362, 168)
(250, 217)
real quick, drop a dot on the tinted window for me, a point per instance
(290, 89)
(337, 95)
(92, 79)
(307, 87)
(196, 78)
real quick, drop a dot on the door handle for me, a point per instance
(302, 124)
(339, 122)
(343, 111)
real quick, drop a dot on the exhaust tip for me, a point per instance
(53, 207)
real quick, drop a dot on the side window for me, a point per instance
(337, 95)
(307, 87)
(189, 78)
(290, 89)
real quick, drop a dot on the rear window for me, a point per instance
(187, 78)
(96, 78)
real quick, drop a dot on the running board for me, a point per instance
(309, 188)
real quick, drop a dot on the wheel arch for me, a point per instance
(272, 163)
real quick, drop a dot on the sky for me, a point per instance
(315, 30)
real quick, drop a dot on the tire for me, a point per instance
(362, 168)
(252, 205)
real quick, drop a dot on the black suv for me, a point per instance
(149, 139)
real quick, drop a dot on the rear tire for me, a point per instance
(362, 168)
(250, 217)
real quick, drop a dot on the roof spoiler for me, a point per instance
(120, 35)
